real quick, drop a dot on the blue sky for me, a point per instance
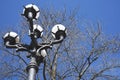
(105, 11)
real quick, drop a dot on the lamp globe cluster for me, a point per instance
(37, 50)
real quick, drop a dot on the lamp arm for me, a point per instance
(8, 45)
(57, 41)
(23, 47)
(19, 47)
(49, 44)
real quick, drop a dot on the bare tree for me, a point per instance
(86, 53)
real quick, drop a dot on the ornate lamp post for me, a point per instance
(37, 50)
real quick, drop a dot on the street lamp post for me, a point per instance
(37, 50)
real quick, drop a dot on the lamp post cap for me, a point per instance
(31, 11)
(59, 30)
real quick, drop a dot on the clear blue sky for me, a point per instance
(106, 11)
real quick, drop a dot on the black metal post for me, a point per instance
(32, 69)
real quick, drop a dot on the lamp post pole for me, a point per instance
(32, 69)
(37, 50)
